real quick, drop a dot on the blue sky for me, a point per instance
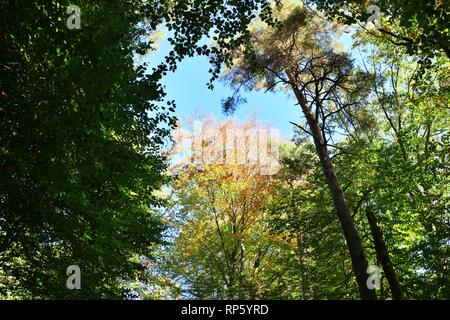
(187, 86)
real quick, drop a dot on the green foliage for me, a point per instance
(391, 153)
(79, 151)
(81, 136)
(422, 27)
(83, 126)
(400, 168)
(300, 211)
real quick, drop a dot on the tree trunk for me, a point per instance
(354, 243)
(383, 256)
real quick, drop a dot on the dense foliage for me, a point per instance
(81, 133)
(421, 26)
(89, 175)
(384, 123)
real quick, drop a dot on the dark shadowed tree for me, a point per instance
(81, 130)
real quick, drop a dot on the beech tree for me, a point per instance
(222, 248)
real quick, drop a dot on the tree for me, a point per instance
(79, 157)
(422, 28)
(221, 244)
(396, 165)
(81, 131)
(299, 55)
(299, 212)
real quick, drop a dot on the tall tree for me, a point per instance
(397, 165)
(299, 55)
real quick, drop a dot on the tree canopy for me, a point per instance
(353, 205)
(82, 127)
